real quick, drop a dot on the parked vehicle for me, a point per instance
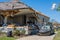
(33, 30)
(47, 29)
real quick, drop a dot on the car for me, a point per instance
(47, 29)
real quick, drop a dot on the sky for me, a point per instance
(43, 6)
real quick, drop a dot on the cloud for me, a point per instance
(53, 6)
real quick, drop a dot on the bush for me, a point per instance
(2, 33)
(22, 32)
(16, 33)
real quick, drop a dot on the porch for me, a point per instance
(27, 22)
(19, 18)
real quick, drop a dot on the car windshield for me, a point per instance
(46, 27)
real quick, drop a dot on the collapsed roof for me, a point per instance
(15, 4)
(11, 5)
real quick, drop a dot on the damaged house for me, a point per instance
(21, 15)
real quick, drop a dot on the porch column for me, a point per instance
(1, 19)
(5, 20)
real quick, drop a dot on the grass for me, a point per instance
(7, 38)
(57, 37)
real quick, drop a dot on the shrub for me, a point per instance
(16, 33)
(22, 32)
(2, 33)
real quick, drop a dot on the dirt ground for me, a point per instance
(36, 37)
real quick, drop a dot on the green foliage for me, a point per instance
(2, 33)
(58, 8)
(57, 37)
(22, 32)
(16, 33)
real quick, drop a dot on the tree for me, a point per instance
(55, 7)
(58, 8)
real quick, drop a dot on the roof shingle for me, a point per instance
(11, 5)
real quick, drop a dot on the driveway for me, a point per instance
(36, 37)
